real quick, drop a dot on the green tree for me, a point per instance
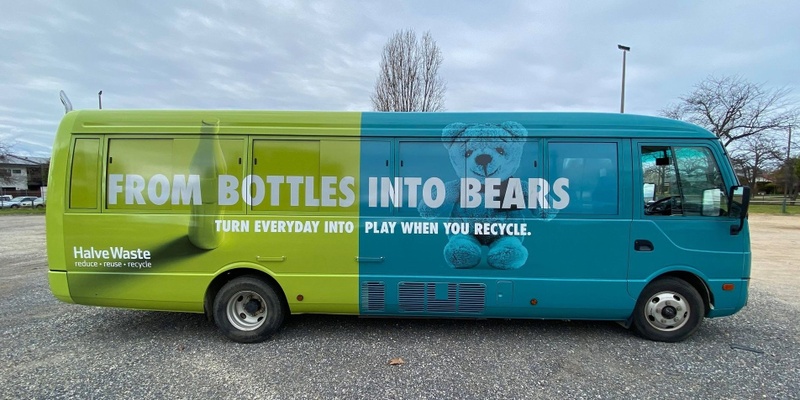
(787, 177)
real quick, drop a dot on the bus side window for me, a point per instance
(419, 162)
(84, 173)
(684, 181)
(295, 160)
(702, 188)
(658, 171)
(592, 171)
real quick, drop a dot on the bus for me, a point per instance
(252, 216)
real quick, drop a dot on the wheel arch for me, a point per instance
(232, 272)
(696, 281)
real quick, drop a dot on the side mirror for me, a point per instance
(738, 203)
(712, 202)
(649, 192)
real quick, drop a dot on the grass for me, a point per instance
(22, 211)
(774, 209)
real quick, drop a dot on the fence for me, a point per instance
(15, 193)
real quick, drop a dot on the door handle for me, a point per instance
(642, 245)
(271, 259)
(370, 259)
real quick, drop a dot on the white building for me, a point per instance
(18, 174)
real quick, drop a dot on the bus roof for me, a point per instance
(385, 124)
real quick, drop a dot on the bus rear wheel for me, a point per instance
(248, 310)
(668, 310)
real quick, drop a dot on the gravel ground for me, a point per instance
(49, 349)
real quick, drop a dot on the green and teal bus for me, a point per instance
(250, 216)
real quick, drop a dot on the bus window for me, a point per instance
(683, 181)
(592, 172)
(158, 174)
(295, 160)
(83, 186)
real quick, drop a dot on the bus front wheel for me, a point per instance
(668, 310)
(248, 310)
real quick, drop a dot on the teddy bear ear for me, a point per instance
(451, 132)
(514, 128)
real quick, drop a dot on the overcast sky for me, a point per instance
(324, 55)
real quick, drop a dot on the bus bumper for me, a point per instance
(728, 302)
(59, 286)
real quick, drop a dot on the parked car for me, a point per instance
(21, 201)
(38, 203)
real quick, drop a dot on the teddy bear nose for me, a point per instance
(483, 159)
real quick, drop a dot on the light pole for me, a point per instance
(789, 171)
(100, 99)
(625, 50)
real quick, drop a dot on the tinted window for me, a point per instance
(682, 181)
(592, 171)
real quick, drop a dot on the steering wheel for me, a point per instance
(667, 206)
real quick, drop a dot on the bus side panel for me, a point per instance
(56, 184)
(569, 264)
(690, 241)
(173, 212)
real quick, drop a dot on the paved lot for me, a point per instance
(50, 349)
(775, 242)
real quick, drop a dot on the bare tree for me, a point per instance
(5, 150)
(733, 108)
(5, 147)
(5, 173)
(755, 154)
(409, 77)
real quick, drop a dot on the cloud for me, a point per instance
(324, 55)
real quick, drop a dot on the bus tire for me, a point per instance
(248, 310)
(668, 310)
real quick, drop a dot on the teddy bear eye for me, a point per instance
(500, 151)
(468, 153)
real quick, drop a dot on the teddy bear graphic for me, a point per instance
(482, 151)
